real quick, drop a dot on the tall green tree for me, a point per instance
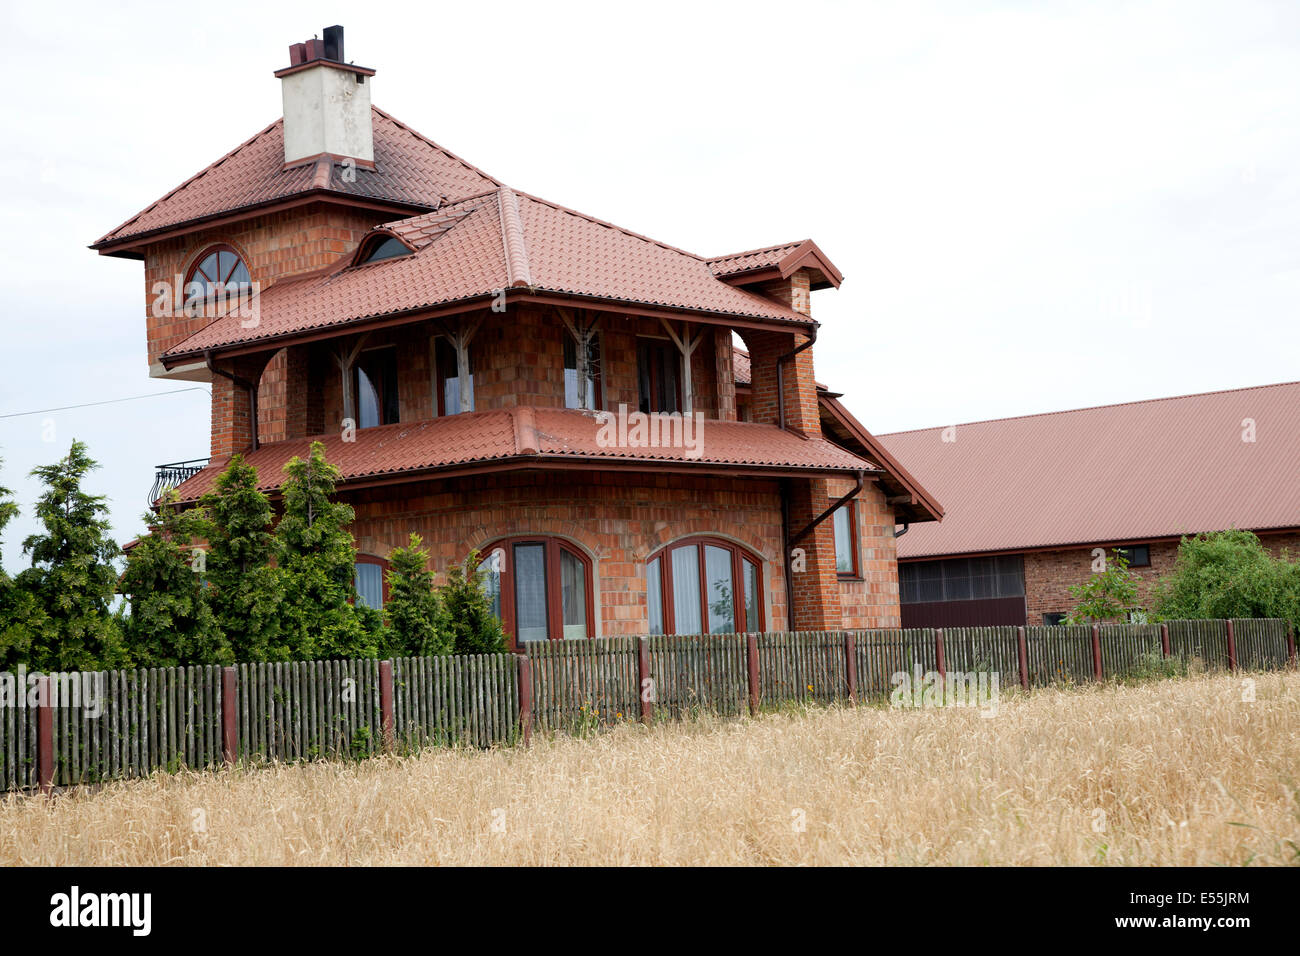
(318, 559)
(72, 579)
(418, 624)
(474, 628)
(171, 621)
(246, 589)
(1229, 574)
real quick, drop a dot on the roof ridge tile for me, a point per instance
(518, 274)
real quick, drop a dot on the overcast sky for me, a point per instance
(1036, 206)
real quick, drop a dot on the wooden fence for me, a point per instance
(68, 729)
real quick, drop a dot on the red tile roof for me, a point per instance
(782, 260)
(1118, 473)
(533, 436)
(475, 248)
(410, 170)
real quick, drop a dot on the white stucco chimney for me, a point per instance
(326, 103)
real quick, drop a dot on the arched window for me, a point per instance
(382, 247)
(219, 271)
(371, 581)
(704, 586)
(540, 589)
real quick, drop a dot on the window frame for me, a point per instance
(552, 547)
(1127, 551)
(396, 396)
(855, 574)
(204, 254)
(366, 251)
(360, 558)
(643, 344)
(739, 555)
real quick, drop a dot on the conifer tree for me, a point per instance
(246, 590)
(418, 623)
(69, 588)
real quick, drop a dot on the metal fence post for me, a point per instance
(751, 665)
(938, 655)
(851, 665)
(1290, 643)
(1096, 651)
(44, 735)
(1022, 653)
(1164, 639)
(229, 729)
(526, 698)
(644, 680)
(1232, 647)
(387, 716)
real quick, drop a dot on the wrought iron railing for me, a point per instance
(170, 476)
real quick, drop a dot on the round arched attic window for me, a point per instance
(218, 269)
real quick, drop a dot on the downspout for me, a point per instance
(242, 383)
(780, 373)
(899, 534)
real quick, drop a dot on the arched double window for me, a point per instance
(219, 271)
(704, 586)
(540, 588)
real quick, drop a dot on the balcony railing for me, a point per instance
(170, 476)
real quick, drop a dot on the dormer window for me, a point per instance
(218, 271)
(383, 247)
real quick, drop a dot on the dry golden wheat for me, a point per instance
(1177, 772)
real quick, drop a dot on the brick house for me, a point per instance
(1030, 499)
(497, 372)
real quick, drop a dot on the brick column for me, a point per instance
(725, 372)
(816, 588)
(802, 413)
(232, 417)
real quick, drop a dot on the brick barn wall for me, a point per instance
(1049, 574)
(618, 520)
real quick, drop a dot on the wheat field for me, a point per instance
(1181, 772)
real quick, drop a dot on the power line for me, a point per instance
(110, 401)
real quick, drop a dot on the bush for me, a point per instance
(1228, 574)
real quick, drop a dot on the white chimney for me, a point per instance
(326, 103)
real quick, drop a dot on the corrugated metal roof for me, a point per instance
(1148, 469)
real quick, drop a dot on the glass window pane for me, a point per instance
(573, 595)
(956, 579)
(654, 597)
(686, 589)
(753, 617)
(720, 589)
(367, 401)
(491, 580)
(240, 275)
(530, 592)
(370, 585)
(571, 372)
(843, 540)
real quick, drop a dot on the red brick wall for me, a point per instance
(1049, 574)
(273, 246)
(618, 521)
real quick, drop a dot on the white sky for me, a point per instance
(1035, 206)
